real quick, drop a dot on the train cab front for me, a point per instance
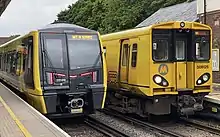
(72, 74)
(182, 55)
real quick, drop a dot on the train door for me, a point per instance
(124, 65)
(133, 61)
(181, 62)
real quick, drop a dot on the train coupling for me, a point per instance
(76, 103)
(191, 110)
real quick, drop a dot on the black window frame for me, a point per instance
(208, 38)
(172, 37)
(164, 34)
(134, 53)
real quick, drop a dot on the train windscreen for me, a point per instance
(69, 58)
(180, 45)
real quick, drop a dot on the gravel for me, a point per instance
(81, 130)
(125, 127)
(76, 127)
(188, 130)
(209, 122)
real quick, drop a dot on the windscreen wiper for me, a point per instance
(49, 60)
(97, 60)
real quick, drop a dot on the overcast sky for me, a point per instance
(22, 16)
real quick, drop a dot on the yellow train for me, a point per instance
(59, 68)
(159, 68)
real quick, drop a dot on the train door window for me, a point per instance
(180, 50)
(134, 55)
(28, 73)
(125, 55)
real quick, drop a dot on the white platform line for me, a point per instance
(54, 125)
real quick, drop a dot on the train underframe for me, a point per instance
(73, 104)
(181, 104)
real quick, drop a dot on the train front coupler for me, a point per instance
(188, 105)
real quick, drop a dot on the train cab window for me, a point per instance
(180, 50)
(53, 50)
(202, 49)
(125, 55)
(160, 50)
(134, 55)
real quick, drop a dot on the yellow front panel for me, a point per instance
(165, 70)
(190, 75)
(200, 69)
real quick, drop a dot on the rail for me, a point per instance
(104, 128)
(141, 123)
(199, 125)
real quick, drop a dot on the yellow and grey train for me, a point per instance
(159, 68)
(60, 69)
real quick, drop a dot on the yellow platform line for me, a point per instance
(20, 125)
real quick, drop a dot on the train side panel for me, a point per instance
(112, 59)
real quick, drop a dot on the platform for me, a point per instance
(214, 96)
(19, 119)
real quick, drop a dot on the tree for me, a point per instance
(108, 16)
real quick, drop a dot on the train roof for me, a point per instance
(147, 29)
(64, 27)
(57, 27)
(4, 44)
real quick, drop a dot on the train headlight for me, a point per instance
(203, 79)
(199, 81)
(158, 79)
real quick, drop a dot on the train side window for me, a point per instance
(28, 73)
(134, 55)
(8, 62)
(5, 62)
(13, 63)
(125, 55)
(18, 63)
(0, 62)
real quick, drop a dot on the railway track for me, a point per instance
(104, 128)
(201, 126)
(142, 124)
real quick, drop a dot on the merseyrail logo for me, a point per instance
(163, 69)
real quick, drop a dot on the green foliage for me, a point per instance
(108, 16)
